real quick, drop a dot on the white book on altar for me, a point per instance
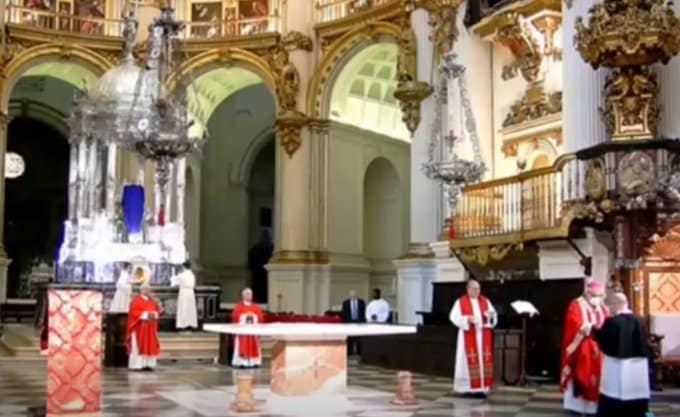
(524, 307)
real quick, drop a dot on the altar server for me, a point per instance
(624, 387)
(581, 358)
(378, 310)
(121, 299)
(475, 317)
(247, 353)
(142, 330)
(186, 300)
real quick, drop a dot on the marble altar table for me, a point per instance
(309, 358)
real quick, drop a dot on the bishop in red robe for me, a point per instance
(581, 357)
(247, 353)
(142, 331)
(475, 317)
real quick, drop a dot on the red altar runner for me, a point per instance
(74, 356)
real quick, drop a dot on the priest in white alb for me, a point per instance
(624, 383)
(475, 318)
(121, 299)
(186, 299)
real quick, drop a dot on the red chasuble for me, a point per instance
(470, 340)
(145, 330)
(581, 357)
(248, 346)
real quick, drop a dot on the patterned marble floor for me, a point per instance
(190, 389)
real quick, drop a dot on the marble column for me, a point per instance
(669, 94)
(4, 261)
(582, 96)
(298, 271)
(416, 270)
(180, 178)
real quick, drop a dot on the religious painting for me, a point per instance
(206, 18)
(255, 14)
(37, 18)
(89, 16)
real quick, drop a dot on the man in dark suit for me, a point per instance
(353, 311)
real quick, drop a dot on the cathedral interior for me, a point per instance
(336, 146)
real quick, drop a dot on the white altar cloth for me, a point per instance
(310, 331)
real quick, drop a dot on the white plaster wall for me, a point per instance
(669, 94)
(475, 55)
(351, 152)
(224, 212)
(505, 94)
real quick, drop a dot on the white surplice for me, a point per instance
(378, 308)
(461, 379)
(121, 299)
(625, 379)
(186, 300)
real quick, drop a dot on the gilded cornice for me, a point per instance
(330, 31)
(22, 37)
(535, 104)
(313, 257)
(520, 37)
(529, 8)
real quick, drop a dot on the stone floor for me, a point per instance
(191, 389)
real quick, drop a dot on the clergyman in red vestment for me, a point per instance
(247, 352)
(142, 331)
(581, 357)
(475, 318)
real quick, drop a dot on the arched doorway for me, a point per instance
(236, 172)
(36, 201)
(383, 217)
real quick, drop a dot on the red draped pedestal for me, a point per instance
(74, 357)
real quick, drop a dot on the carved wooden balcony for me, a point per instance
(533, 205)
(70, 26)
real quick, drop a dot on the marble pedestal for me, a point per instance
(74, 353)
(309, 367)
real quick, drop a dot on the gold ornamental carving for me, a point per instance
(535, 103)
(518, 35)
(666, 247)
(300, 257)
(288, 126)
(482, 254)
(443, 23)
(297, 40)
(410, 92)
(286, 78)
(636, 175)
(631, 110)
(595, 179)
(629, 36)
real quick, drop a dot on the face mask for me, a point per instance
(595, 301)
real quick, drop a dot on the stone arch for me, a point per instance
(220, 58)
(335, 59)
(254, 147)
(51, 52)
(42, 113)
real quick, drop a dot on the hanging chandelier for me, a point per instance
(131, 106)
(444, 164)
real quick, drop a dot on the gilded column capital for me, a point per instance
(288, 126)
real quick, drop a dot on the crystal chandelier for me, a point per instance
(131, 106)
(444, 164)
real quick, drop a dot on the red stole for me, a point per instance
(470, 341)
(581, 358)
(146, 331)
(248, 346)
